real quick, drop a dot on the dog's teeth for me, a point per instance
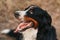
(5, 31)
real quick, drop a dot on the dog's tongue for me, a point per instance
(22, 25)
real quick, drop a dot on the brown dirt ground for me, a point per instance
(7, 8)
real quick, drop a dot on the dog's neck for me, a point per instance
(29, 34)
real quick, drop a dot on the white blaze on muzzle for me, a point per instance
(21, 14)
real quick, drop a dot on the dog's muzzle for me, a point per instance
(16, 14)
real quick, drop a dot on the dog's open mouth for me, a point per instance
(28, 23)
(23, 25)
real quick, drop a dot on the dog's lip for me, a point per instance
(23, 25)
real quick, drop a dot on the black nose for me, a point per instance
(16, 14)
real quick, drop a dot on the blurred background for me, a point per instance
(7, 8)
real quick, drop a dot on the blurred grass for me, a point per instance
(7, 8)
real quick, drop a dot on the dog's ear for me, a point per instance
(46, 18)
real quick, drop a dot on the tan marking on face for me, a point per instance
(26, 18)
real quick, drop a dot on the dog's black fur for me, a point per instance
(45, 30)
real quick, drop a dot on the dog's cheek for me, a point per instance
(32, 20)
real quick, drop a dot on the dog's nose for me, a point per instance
(16, 14)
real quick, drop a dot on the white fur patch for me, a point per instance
(30, 34)
(5, 31)
(22, 14)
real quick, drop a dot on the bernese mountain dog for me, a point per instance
(35, 24)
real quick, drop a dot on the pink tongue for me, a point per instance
(22, 25)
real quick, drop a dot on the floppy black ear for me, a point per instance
(46, 18)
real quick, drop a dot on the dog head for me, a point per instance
(34, 15)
